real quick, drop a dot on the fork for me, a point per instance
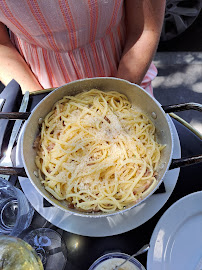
(6, 159)
(140, 251)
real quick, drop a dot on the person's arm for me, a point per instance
(144, 20)
(13, 66)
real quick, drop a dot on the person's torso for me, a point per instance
(61, 25)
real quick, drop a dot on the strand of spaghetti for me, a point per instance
(55, 194)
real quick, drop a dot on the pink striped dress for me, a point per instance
(66, 40)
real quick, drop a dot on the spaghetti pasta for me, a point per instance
(97, 152)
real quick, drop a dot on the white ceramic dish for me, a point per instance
(176, 242)
(103, 226)
(111, 260)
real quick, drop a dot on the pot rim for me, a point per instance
(96, 214)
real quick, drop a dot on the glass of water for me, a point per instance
(49, 246)
(15, 211)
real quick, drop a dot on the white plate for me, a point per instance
(105, 226)
(176, 242)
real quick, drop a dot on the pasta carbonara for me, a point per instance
(97, 152)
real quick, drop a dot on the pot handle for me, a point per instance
(13, 171)
(182, 162)
(182, 107)
(15, 115)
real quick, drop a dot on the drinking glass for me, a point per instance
(16, 254)
(50, 247)
(15, 211)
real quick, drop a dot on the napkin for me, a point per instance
(13, 95)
